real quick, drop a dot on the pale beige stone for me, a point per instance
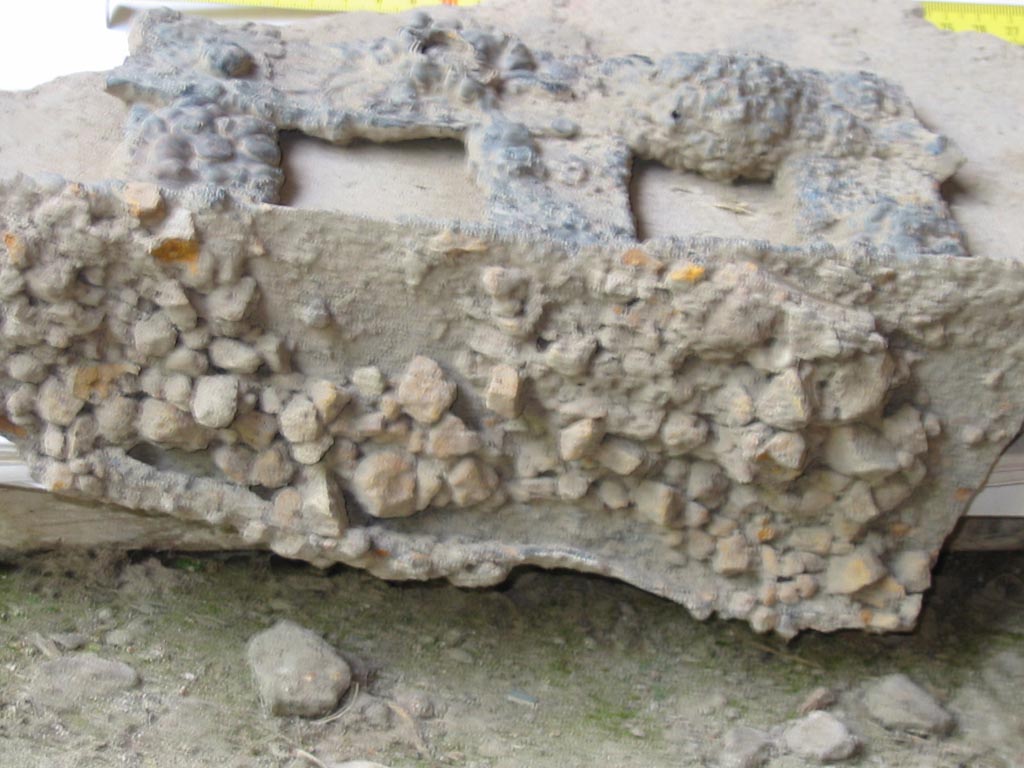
(682, 432)
(812, 538)
(732, 556)
(913, 569)
(56, 402)
(160, 422)
(234, 356)
(580, 439)
(215, 400)
(429, 481)
(385, 484)
(327, 397)
(504, 391)
(451, 437)
(271, 468)
(622, 457)
(658, 502)
(234, 461)
(613, 494)
(848, 573)
(572, 486)
(471, 482)
(256, 429)
(783, 403)
(298, 421)
(424, 391)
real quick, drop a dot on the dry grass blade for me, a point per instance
(343, 709)
(418, 742)
(737, 208)
(309, 758)
(45, 645)
(785, 655)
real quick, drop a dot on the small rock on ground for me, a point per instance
(820, 736)
(64, 684)
(898, 703)
(745, 747)
(296, 671)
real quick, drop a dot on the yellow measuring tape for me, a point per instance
(380, 6)
(1005, 21)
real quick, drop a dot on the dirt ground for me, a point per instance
(553, 669)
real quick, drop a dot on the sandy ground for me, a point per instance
(554, 670)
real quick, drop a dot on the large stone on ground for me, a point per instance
(745, 747)
(898, 703)
(821, 737)
(296, 671)
(68, 683)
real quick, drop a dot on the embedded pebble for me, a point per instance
(298, 421)
(231, 303)
(155, 336)
(256, 429)
(327, 398)
(234, 461)
(580, 439)
(471, 482)
(234, 356)
(504, 391)
(913, 570)
(658, 502)
(732, 555)
(115, 418)
(177, 389)
(385, 484)
(271, 468)
(571, 355)
(424, 392)
(451, 437)
(143, 199)
(186, 361)
(312, 451)
(620, 456)
(848, 573)
(784, 402)
(682, 432)
(369, 380)
(26, 368)
(215, 400)
(161, 422)
(56, 402)
(859, 451)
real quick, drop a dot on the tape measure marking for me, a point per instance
(1003, 21)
